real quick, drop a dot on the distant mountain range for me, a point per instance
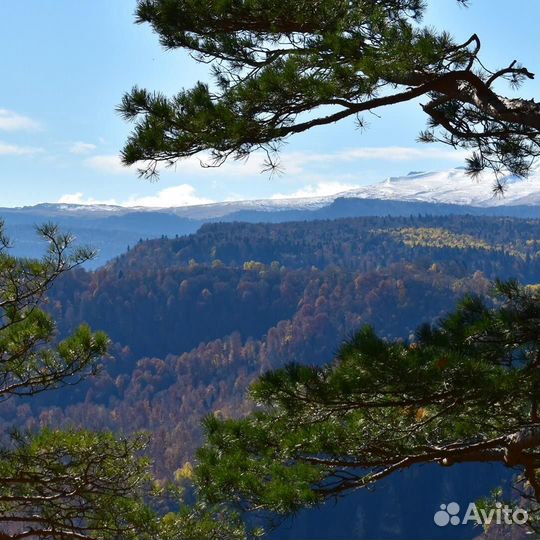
(111, 229)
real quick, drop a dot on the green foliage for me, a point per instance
(71, 484)
(466, 390)
(199, 521)
(56, 484)
(364, 243)
(181, 354)
(283, 67)
(30, 362)
(152, 294)
(75, 484)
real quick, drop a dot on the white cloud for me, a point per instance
(321, 189)
(11, 121)
(181, 195)
(15, 150)
(80, 147)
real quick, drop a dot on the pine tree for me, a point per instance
(58, 484)
(72, 484)
(466, 390)
(284, 67)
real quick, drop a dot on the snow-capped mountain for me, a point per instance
(453, 186)
(110, 229)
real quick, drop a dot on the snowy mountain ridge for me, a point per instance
(454, 186)
(451, 186)
(111, 229)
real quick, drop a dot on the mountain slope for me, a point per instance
(453, 186)
(196, 319)
(111, 229)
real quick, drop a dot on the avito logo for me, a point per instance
(449, 515)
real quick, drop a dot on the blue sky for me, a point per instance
(65, 65)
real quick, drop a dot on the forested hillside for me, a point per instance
(169, 295)
(195, 319)
(353, 243)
